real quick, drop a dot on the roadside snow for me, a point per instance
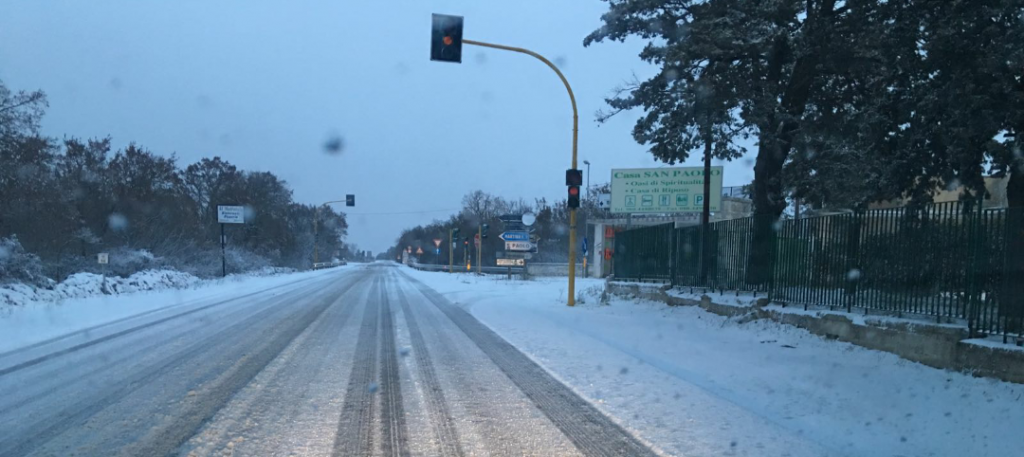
(697, 384)
(82, 285)
(79, 303)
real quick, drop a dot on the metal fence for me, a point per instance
(952, 261)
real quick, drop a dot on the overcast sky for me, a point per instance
(265, 84)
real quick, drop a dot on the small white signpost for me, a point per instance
(227, 214)
(231, 214)
(103, 258)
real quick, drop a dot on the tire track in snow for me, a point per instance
(593, 433)
(128, 331)
(208, 401)
(437, 407)
(47, 430)
(355, 435)
(394, 440)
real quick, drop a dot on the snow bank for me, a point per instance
(697, 384)
(82, 285)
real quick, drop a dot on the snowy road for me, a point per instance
(363, 361)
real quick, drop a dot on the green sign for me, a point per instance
(663, 190)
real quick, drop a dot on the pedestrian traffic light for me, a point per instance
(574, 196)
(483, 230)
(350, 200)
(446, 38)
(573, 177)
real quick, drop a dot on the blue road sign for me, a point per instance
(515, 236)
(584, 245)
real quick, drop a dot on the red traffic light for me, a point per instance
(574, 197)
(446, 38)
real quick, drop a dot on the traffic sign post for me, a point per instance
(476, 241)
(584, 257)
(227, 214)
(103, 259)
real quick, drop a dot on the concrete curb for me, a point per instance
(936, 346)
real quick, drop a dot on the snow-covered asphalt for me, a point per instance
(360, 361)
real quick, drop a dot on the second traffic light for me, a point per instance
(350, 200)
(574, 196)
(483, 230)
(574, 179)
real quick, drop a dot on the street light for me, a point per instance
(587, 163)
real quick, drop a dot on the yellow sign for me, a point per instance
(664, 190)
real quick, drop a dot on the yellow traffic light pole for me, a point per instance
(575, 135)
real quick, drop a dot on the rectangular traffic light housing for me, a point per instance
(573, 199)
(350, 200)
(446, 38)
(573, 177)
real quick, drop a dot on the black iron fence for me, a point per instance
(951, 261)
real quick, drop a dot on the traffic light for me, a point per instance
(574, 196)
(483, 230)
(574, 179)
(446, 38)
(465, 241)
(455, 233)
(350, 200)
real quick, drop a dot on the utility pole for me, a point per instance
(350, 200)
(223, 261)
(446, 46)
(575, 141)
(705, 215)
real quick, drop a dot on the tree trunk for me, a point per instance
(769, 202)
(776, 140)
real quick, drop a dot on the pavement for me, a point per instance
(364, 361)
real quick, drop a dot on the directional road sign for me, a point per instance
(511, 262)
(515, 236)
(512, 255)
(518, 245)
